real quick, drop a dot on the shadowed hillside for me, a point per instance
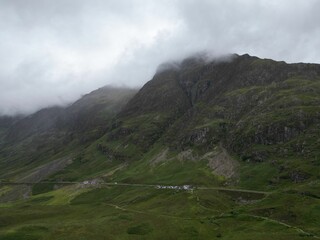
(56, 131)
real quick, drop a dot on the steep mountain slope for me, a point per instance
(259, 110)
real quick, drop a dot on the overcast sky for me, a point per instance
(52, 51)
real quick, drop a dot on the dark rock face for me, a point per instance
(161, 94)
(298, 176)
(196, 137)
(274, 134)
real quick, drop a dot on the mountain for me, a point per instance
(209, 147)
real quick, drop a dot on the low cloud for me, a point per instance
(52, 52)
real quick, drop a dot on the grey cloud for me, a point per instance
(51, 52)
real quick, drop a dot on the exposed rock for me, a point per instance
(298, 176)
(221, 163)
(187, 155)
(198, 136)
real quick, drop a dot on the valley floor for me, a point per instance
(142, 211)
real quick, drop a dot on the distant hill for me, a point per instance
(39, 136)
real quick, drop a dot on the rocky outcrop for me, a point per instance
(196, 137)
(221, 163)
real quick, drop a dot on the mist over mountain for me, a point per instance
(54, 52)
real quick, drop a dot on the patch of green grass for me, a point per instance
(39, 188)
(172, 172)
(244, 91)
(41, 199)
(141, 229)
(257, 176)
